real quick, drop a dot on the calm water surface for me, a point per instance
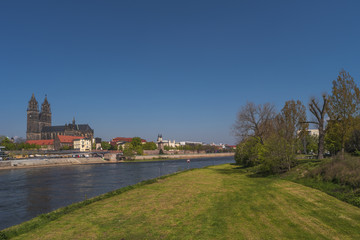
(26, 193)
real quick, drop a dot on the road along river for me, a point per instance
(28, 192)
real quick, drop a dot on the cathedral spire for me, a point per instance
(33, 104)
(73, 122)
(45, 107)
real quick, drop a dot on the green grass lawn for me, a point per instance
(218, 202)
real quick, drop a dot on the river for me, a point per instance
(26, 193)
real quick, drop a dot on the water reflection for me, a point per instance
(26, 193)
(38, 192)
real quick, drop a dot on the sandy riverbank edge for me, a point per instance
(30, 163)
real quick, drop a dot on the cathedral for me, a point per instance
(39, 124)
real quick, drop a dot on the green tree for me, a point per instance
(113, 147)
(277, 155)
(353, 143)
(65, 147)
(129, 151)
(344, 106)
(105, 145)
(248, 151)
(292, 121)
(136, 142)
(120, 148)
(311, 142)
(9, 145)
(280, 147)
(150, 146)
(333, 137)
(137, 145)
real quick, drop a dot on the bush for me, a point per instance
(277, 155)
(344, 172)
(247, 152)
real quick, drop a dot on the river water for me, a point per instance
(26, 193)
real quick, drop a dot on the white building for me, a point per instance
(82, 144)
(183, 143)
(314, 132)
(311, 132)
(169, 143)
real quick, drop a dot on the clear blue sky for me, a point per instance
(180, 68)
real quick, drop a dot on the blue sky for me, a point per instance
(180, 68)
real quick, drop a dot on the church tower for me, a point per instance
(45, 115)
(160, 142)
(33, 130)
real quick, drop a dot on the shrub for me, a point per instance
(344, 172)
(247, 153)
(277, 155)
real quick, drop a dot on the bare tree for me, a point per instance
(319, 111)
(293, 119)
(254, 120)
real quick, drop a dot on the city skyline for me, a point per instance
(180, 68)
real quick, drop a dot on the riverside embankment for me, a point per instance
(26, 163)
(218, 202)
(46, 162)
(28, 192)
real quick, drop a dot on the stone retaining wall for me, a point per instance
(5, 164)
(48, 162)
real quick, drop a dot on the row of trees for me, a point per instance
(133, 147)
(11, 146)
(272, 139)
(198, 148)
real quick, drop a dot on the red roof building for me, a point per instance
(41, 142)
(44, 144)
(62, 141)
(122, 140)
(68, 139)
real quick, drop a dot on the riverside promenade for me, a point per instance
(31, 162)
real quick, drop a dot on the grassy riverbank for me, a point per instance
(336, 177)
(218, 202)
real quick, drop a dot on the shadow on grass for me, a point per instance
(241, 170)
(235, 169)
(302, 161)
(259, 175)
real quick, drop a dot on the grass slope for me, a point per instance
(219, 202)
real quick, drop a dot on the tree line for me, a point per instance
(11, 145)
(270, 140)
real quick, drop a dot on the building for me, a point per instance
(82, 144)
(183, 143)
(97, 142)
(39, 124)
(120, 141)
(165, 143)
(313, 132)
(44, 144)
(3, 155)
(62, 141)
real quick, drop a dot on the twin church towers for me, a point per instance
(37, 120)
(39, 124)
